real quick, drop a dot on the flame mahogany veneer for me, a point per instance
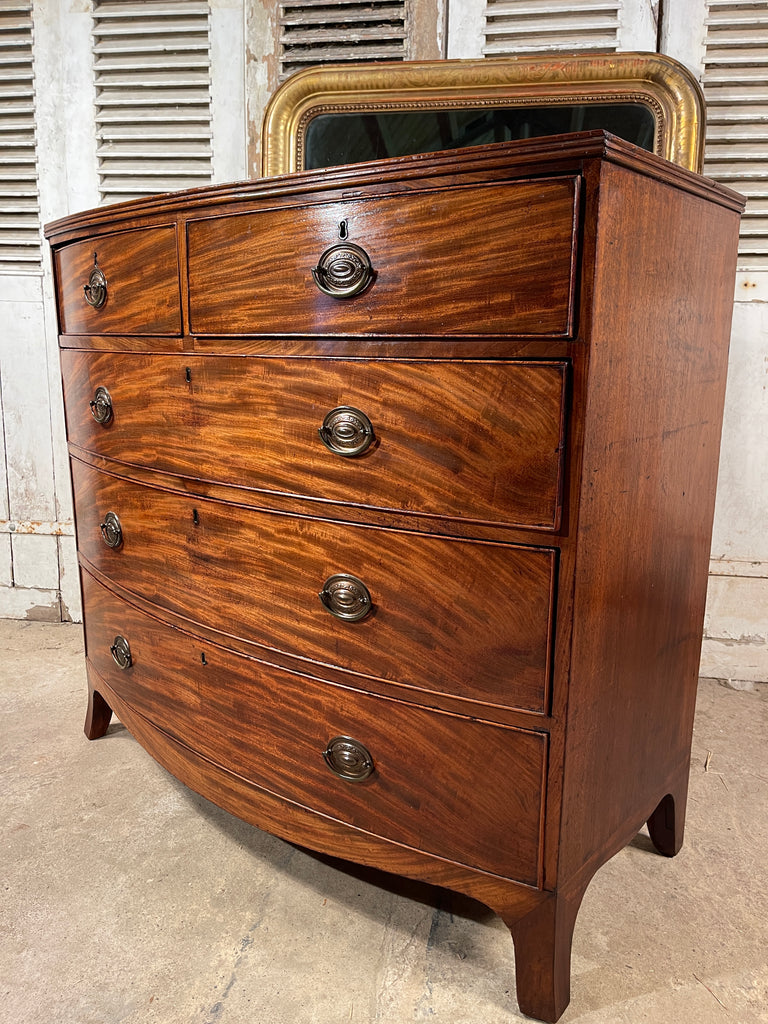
(468, 652)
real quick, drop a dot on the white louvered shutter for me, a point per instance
(153, 96)
(543, 26)
(20, 250)
(333, 31)
(736, 89)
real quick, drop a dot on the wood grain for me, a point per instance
(574, 153)
(658, 359)
(143, 296)
(299, 824)
(433, 772)
(508, 270)
(472, 440)
(518, 288)
(448, 616)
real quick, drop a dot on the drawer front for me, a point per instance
(142, 284)
(464, 790)
(505, 266)
(473, 440)
(468, 619)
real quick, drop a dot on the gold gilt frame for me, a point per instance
(653, 80)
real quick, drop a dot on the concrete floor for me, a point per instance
(128, 898)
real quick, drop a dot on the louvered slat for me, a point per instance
(153, 104)
(540, 26)
(20, 247)
(736, 89)
(334, 31)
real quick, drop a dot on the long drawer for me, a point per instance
(475, 440)
(418, 777)
(137, 291)
(507, 265)
(468, 619)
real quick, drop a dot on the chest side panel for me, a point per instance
(658, 360)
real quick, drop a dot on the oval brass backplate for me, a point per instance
(347, 431)
(343, 270)
(101, 406)
(95, 291)
(346, 597)
(121, 652)
(111, 530)
(349, 759)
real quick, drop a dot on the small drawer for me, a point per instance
(506, 266)
(473, 440)
(467, 619)
(413, 776)
(122, 283)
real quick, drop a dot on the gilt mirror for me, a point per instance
(338, 114)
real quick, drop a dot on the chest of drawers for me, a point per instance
(394, 487)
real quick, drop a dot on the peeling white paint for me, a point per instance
(751, 286)
(52, 529)
(31, 603)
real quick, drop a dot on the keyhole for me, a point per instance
(343, 230)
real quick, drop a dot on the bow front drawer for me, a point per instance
(473, 440)
(121, 283)
(467, 619)
(388, 265)
(444, 784)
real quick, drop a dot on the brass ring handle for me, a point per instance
(111, 530)
(95, 290)
(346, 431)
(101, 406)
(346, 597)
(343, 271)
(348, 759)
(121, 652)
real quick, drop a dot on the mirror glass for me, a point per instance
(346, 138)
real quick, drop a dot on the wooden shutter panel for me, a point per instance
(541, 26)
(332, 31)
(19, 205)
(736, 89)
(153, 96)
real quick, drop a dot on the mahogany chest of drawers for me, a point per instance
(394, 487)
